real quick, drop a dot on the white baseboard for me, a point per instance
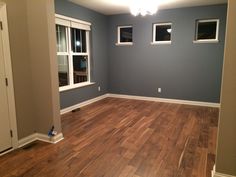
(1, 154)
(29, 139)
(165, 100)
(41, 137)
(216, 174)
(85, 103)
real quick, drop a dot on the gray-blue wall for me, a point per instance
(99, 44)
(184, 70)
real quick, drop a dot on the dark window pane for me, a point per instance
(61, 38)
(80, 66)
(126, 34)
(78, 40)
(83, 36)
(163, 33)
(63, 70)
(206, 30)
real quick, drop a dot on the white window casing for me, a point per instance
(118, 36)
(154, 41)
(216, 40)
(82, 25)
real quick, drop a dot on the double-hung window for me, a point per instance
(72, 52)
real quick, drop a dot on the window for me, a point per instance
(162, 33)
(125, 35)
(207, 30)
(72, 52)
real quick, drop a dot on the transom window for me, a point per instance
(207, 30)
(125, 35)
(72, 52)
(162, 33)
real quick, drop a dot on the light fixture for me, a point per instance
(143, 7)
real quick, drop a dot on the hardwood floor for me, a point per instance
(124, 138)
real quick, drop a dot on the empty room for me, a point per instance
(117, 88)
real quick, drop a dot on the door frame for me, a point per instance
(9, 75)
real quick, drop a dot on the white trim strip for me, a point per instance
(165, 100)
(222, 175)
(12, 149)
(216, 174)
(72, 19)
(41, 137)
(85, 103)
(79, 85)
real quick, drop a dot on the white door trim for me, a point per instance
(8, 70)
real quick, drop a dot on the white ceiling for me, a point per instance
(110, 7)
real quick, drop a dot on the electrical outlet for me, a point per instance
(159, 90)
(99, 88)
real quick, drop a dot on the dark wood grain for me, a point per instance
(124, 138)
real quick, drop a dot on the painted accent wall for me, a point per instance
(183, 69)
(99, 53)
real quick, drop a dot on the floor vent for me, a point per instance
(76, 110)
(29, 146)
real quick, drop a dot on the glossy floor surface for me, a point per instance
(124, 138)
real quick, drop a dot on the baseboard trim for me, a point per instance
(165, 100)
(82, 104)
(41, 137)
(29, 139)
(216, 174)
(1, 154)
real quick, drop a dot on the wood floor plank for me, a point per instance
(124, 138)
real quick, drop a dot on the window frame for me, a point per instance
(154, 42)
(216, 40)
(67, 22)
(118, 35)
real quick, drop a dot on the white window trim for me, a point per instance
(69, 22)
(216, 40)
(79, 85)
(65, 18)
(118, 36)
(154, 42)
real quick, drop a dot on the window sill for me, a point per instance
(124, 44)
(206, 41)
(161, 43)
(85, 84)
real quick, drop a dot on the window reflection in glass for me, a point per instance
(80, 65)
(163, 33)
(78, 40)
(61, 38)
(126, 34)
(63, 70)
(206, 30)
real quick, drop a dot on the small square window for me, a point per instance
(207, 30)
(125, 35)
(162, 33)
